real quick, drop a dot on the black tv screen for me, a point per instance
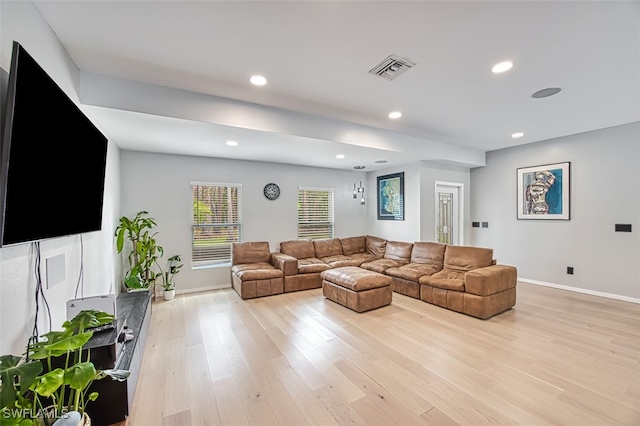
(53, 159)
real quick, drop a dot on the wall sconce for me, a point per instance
(359, 192)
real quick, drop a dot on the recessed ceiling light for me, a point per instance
(358, 167)
(340, 156)
(380, 161)
(545, 93)
(232, 143)
(502, 67)
(517, 135)
(395, 114)
(258, 80)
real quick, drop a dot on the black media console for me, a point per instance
(110, 350)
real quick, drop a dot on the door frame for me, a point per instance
(460, 187)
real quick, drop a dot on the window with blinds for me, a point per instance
(315, 213)
(216, 223)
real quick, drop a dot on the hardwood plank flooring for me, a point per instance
(556, 358)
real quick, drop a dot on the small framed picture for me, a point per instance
(543, 192)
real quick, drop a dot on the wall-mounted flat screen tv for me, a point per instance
(53, 159)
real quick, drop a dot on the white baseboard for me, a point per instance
(159, 291)
(525, 280)
(200, 289)
(582, 290)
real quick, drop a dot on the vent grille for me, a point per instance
(391, 67)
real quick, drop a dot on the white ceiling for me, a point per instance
(317, 54)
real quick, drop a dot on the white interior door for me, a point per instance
(448, 226)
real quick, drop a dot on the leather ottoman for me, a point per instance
(356, 288)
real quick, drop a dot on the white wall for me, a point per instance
(160, 184)
(22, 22)
(605, 190)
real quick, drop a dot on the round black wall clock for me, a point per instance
(271, 191)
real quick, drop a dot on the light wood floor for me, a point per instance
(556, 358)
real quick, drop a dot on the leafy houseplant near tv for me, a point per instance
(145, 251)
(173, 267)
(32, 398)
(16, 399)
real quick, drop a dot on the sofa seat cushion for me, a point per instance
(311, 265)
(363, 257)
(412, 271)
(447, 279)
(381, 265)
(256, 271)
(340, 261)
(356, 279)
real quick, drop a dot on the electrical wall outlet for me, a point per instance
(570, 270)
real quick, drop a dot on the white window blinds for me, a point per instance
(216, 223)
(315, 213)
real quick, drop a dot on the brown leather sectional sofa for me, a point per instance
(461, 278)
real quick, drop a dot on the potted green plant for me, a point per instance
(16, 398)
(173, 267)
(62, 391)
(144, 249)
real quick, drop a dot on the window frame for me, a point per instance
(330, 215)
(201, 260)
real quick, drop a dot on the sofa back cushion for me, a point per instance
(462, 258)
(327, 247)
(375, 246)
(250, 252)
(397, 250)
(300, 249)
(428, 253)
(352, 245)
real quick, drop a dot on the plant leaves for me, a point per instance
(119, 375)
(47, 384)
(132, 281)
(42, 349)
(10, 368)
(70, 343)
(79, 376)
(88, 319)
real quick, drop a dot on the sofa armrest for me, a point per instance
(287, 264)
(490, 280)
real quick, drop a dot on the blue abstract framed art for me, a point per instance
(391, 197)
(543, 192)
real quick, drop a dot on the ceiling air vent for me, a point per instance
(391, 67)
